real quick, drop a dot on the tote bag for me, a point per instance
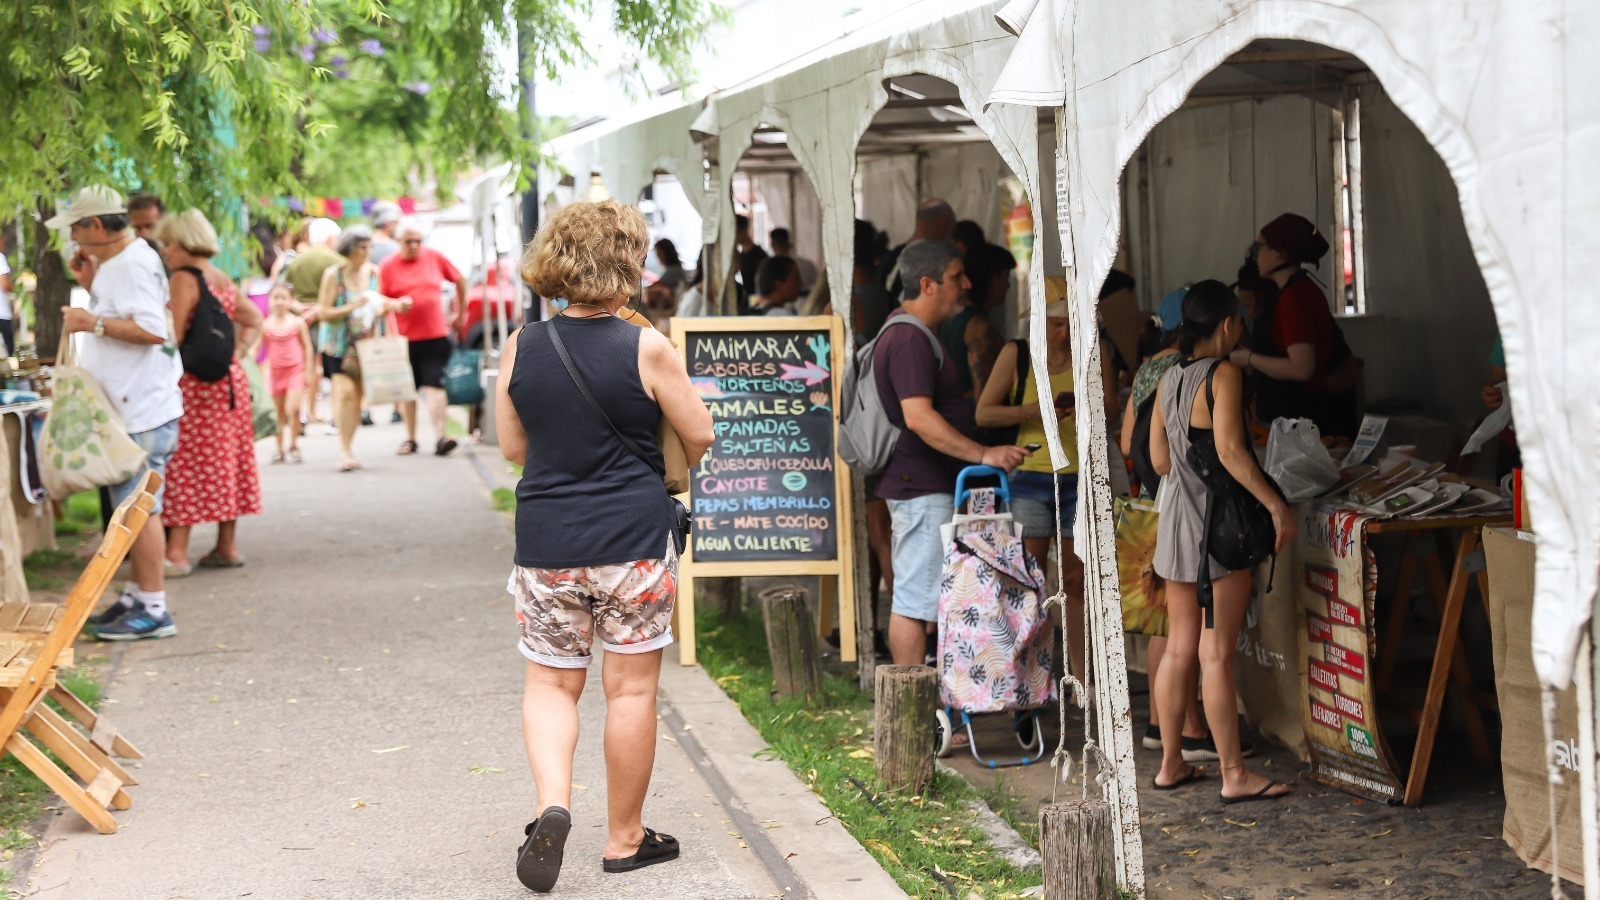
(386, 366)
(84, 445)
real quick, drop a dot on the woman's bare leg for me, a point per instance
(550, 728)
(346, 413)
(1174, 681)
(1194, 722)
(1231, 595)
(178, 545)
(291, 401)
(630, 681)
(282, 404)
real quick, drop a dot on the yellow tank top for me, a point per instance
(1033, 432)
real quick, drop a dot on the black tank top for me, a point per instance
(584, 499)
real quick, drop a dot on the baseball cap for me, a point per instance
(1170, 313)
(92, 201)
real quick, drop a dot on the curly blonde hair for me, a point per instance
(588, 251)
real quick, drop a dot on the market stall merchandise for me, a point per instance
(1513, 152)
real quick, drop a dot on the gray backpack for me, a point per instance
(866, 436)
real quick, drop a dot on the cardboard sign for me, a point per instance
(1340, 713)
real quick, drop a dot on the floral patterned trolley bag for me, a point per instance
(995, 637)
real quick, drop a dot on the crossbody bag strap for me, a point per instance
(583, 388)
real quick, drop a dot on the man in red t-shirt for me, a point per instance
(416, 276)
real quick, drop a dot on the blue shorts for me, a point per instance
(159, 442)
(918, 553)
(1033, 503)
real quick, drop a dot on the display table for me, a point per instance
(24, 526)
(1522, 740)
(1306, 654)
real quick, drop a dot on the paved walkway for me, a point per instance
(340, 717)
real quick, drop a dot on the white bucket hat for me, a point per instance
(90, 202)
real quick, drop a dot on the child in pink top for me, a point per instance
(290, 366)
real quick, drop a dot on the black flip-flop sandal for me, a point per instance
(444, 447)
(1196, 773)
(407, 448)
(539, 860)
(656, 848)
(1258, 795)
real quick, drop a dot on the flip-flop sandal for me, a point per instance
(349, 466)
(1196, 773)
(294, 457)
(656, 848)
(217, 561)
(277, 459)
(539, 860)
(444, 447)
(1258, 795)
(406, 448)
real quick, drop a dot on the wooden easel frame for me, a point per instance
(838, 579)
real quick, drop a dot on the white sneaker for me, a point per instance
(330, 428)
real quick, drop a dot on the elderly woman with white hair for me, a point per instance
(347, 304)
(212, 476)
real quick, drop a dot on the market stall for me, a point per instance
(1508, 118)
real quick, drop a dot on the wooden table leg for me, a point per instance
(1438, 679)
(1399, 607)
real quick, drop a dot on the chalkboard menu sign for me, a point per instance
(766, 490)
(769, 497)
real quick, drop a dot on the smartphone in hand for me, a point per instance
(1065, 401)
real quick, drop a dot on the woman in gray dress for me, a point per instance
(1211, 327)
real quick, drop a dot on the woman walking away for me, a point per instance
(597, 540)
(212, 476)
(291, 362)
(348, 304)
(1187, 405)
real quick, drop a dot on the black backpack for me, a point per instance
(207, 348)
(1143, 469)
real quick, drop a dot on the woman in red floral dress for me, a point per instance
(212, 476)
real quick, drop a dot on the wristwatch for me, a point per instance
(99, 326)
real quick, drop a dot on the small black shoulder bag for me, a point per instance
(679, 512)
(1239, 532)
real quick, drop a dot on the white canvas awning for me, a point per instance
(1492, 87)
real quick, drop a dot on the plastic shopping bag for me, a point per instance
(462, 383)
(1297, 461)
(84, 445)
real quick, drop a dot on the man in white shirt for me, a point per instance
(128, 351)
(7, 332)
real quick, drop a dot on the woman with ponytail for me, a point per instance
(1299, 346)
(1204, 393)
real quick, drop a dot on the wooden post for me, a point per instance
(1075, 841)
(907, 697)
(796, 665)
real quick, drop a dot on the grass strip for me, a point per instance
(931, 844)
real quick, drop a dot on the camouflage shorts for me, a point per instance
(629, 604)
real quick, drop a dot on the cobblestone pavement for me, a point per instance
(1318, 843)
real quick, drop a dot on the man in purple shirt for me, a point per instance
(924, 397)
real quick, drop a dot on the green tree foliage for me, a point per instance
(207, 101)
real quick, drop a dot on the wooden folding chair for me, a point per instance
(28, 663)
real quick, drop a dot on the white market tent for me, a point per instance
(1505, 91)
(1489, 85)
